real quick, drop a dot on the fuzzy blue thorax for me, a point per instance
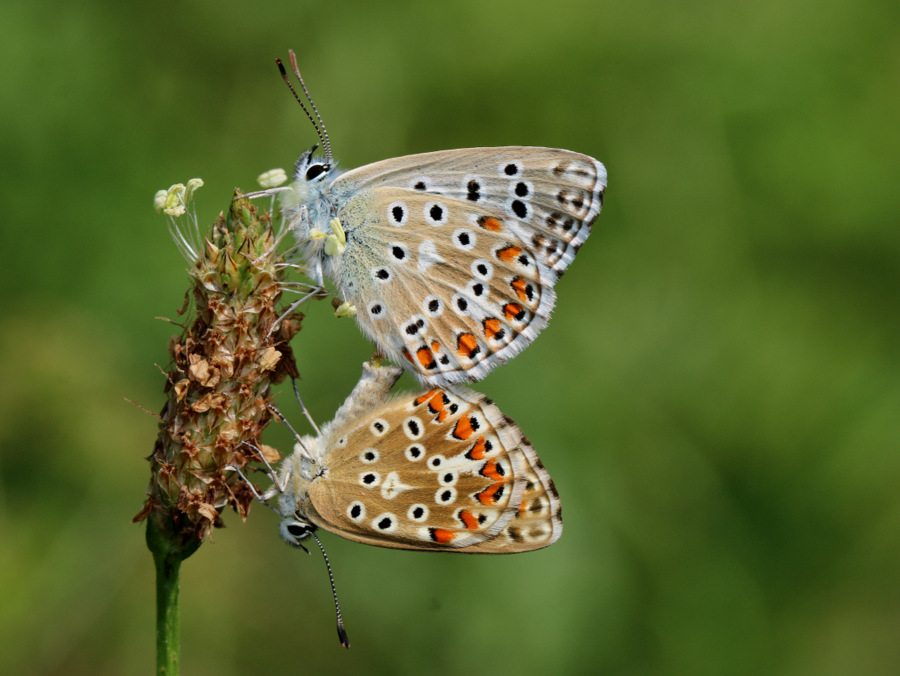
(297, 472)
(323, 214)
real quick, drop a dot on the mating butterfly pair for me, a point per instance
(449, 260)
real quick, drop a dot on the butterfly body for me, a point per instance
(440, 470)
(449, 257)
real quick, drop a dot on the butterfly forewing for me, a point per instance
(468, 245)
(445, 301)
(438, 470)
(529, 190)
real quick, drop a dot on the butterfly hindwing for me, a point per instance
(438, 470)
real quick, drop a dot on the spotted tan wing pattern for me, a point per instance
(450, 302)
(466, 244)
(442, 470)
(529, 190)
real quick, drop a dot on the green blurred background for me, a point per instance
(716, 398)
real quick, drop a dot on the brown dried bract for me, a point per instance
(218, 383)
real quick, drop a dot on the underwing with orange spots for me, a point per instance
(449, 258)
(440, 470)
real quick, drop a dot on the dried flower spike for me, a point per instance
(222, 367)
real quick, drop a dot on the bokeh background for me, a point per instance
(716, 397)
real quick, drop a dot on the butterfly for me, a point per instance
(448, 259)
(440, 470)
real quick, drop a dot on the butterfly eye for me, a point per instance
(316, 170)
(297, 530)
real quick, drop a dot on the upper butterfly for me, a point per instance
(449, 257)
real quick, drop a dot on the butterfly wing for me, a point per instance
(452, 256)
(443, 470)
(551, 191)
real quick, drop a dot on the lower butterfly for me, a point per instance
(440, 470)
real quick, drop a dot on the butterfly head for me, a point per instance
(297, 471)
(306, 206)
(311, 170)
(294, 529)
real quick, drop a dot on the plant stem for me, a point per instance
(168, 554)
(167, 611)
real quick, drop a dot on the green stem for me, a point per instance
(167, 636)
(168, 553)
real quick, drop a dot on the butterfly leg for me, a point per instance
(316, 291)
(270, 471)
(265, 193)
(318, 275)
(300, 445)
(268, 192)
(304, 409)
(260, 497)
(300, 224)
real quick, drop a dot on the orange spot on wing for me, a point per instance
(509, 253)
(436, 346)
(436, 404)
(478, 450)
(426, 358)
(514, 311)
(442, 536)
(407, 355)
(463, 429)
(490, 471)
(492, 224)
(491, 327)
(467, 344)
(469, 519)
(519, 285)
(489, 495)
(425, 397)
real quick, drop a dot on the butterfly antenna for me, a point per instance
(287, 81)
(297, 437)
(324, 135)
(342, 633)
